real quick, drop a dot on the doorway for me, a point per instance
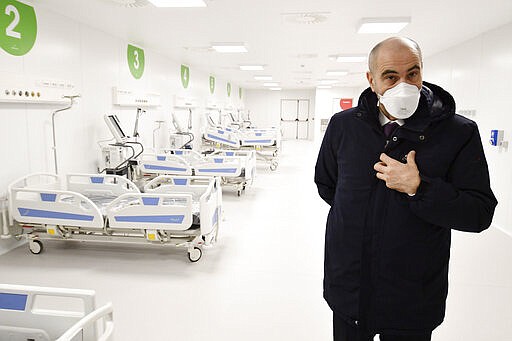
(295, 119)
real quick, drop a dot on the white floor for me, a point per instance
(263, 280)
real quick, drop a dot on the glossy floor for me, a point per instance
(263, 280)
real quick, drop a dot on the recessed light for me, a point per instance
(263, 78)
(276, 89)
(382, 25)
(337, 72)
(229, 47)
(252, 67)
(178, 3)
(273, 84)
(351, 58)
(324, 87)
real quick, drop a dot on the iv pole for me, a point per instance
(71, 99)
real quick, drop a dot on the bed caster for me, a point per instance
(35, 246)
(239, 192)
(274, 154)
(273, 165)
(195, 254)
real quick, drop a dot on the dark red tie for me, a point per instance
(389, 128)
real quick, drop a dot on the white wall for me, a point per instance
(264, 106)
(477, 73)
(94, 62)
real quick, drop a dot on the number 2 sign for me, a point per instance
(18, 27)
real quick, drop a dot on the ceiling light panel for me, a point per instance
(382, 25)
(252, 67)
(337, 72)
(272, 84)
(324, 87)
(263, 78)
(178, 3)
(276, 89)
(229, 47)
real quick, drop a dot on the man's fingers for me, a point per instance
(381, 176)
(411, 158)
(386, 159)
(380, 167)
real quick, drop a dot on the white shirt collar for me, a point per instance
(384, 120)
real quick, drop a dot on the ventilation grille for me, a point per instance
(305, 18)
(306, 56)
(129, 3)
(198, 49)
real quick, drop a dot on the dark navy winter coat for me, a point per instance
(386, 253)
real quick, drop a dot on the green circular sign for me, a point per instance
(136, 61)
(185, 76)
(18, 27)
(212, 84)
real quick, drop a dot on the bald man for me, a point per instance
(399, 171)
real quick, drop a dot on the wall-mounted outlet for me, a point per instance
(467, 112)
(34, 91)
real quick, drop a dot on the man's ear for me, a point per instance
(369, 76)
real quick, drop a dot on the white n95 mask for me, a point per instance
(401, 101)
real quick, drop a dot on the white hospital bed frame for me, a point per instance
(23, 317)
(266, 142)
(236, 168)
(46, 213)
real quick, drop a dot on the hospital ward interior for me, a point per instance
(158, 168)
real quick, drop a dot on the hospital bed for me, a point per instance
(266, 142)
(44, 314)
(110, 208)
(235, 168)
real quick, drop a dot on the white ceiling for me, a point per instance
(277, 43)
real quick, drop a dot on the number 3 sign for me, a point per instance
(136, 61)
(18, 27)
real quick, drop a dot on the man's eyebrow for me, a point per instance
(389, 71)
(386, 72)
(415, 67)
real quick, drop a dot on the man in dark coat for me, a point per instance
(399, 171)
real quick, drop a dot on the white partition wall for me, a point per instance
(477, 73)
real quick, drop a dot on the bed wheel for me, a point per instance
(35, 246)
(274, 154)
(273, 165)
(239, 192)
(195, 254)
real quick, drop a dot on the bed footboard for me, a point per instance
(170, 212)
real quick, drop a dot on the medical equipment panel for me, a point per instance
(114, 126)
(129, 98)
